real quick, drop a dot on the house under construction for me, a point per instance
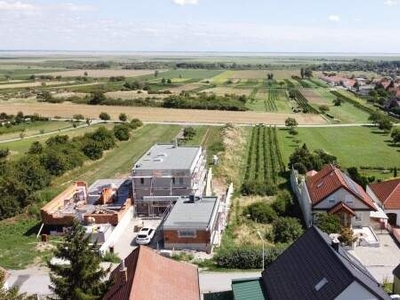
(165, 172)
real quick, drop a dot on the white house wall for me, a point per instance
(302, 196)
(356, 291)
(341, 195)
(373, 196)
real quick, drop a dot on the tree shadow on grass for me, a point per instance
(379, 132)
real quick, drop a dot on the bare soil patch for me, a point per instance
(33, 84)
(155, 114)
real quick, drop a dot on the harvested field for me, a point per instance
(69, 94)
(101, 73)
(32, 84)
(249, 74)
(313, 97)
(151, 114)
(133, 95)
(221, 91)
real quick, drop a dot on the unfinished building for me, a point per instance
(166, 172)
(105, 201)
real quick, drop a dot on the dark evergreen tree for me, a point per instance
(82, 278)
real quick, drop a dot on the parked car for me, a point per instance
(145, 235)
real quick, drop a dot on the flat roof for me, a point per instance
(97, 187)
(188, 215)
(249, 288)
(167, 157)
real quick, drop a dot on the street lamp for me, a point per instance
(263, 253)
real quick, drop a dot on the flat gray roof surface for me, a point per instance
(195, 215)
(96, 188)
(167, 157)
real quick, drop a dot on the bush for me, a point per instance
(189, 133)
(283, 203)
(104, 116)
(122, 117)
(136, 123)
(121, 132)
(92, 150)
(328, 223)
(252, 187)
(248, 257)
(260, 212)
(286, 230)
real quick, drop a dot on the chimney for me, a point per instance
(123, 272)
(335, 244)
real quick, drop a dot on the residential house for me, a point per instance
(387, 195)
(146, 275)
(193, 223)
(334, 192)
(165, 172)
(315, 267)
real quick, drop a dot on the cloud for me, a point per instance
(16, 6)
(334, 18)
(75, 7)
(390, 2)
(185, 2)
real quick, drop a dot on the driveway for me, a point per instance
(381, 261)
(219, 282)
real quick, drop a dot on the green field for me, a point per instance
(353, 146)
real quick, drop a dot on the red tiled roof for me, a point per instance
(388, 192)
(329, 180)
(341, 206)
(153, 277)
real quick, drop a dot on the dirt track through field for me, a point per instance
(152, 114)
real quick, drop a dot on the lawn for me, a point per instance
(353, 146)
(19, 246)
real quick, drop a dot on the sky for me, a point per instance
(352, 26)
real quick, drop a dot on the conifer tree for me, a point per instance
(81, 278)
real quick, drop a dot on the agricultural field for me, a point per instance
(313, 97)
(264, 159)
(133, 95)
(156, 114)
(100, 73)
(22, 85)
(221, 91)
(353, 146)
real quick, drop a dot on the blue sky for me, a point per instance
(362, 26)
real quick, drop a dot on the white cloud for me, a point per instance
(75, 7)
(185, 2)
(16, 6)
(334, 18)
(390, 2)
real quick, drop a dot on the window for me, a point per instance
(349, 199)
(141, 180)
(180, 180)
(187, 233)
(173, 180)
(359, 217)
(332, 199)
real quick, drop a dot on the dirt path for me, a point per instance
(153, 114)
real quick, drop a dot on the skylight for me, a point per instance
(321, 284)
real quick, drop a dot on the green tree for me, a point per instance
(123, 117)
(308, 73)
(323, 108)
(92, 150)
(302, 73)
(4, 152)
(283, 203)
(135, 123)
(291, 122)
(163, 81)
(286, 230)
(121, 132)
(104, 116)
(78, 117)
(97, 97)
(346, 236)
(328, 223)
(156, 72)
(82, 277)
(260, 212)
(385, 124)
(337, 102)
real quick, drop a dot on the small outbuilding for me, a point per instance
(193, 223)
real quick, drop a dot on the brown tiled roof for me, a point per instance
(153, 277)
(388, 192)
(329, 180)
(341, 206)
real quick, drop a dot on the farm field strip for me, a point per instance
(264, 160)
(101, 73)
(303, 103)
(269, 102)
(313, 97)
(155, 114)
